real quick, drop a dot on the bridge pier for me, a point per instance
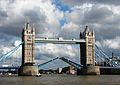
(88, 54)
(89, 70)
(28, 71)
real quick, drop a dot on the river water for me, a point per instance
(60, 79)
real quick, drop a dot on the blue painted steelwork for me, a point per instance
(103, 53)
(17, 67)
(47, 62)
(99, 56)
(78, 66)
(4, 56)
(108, 60)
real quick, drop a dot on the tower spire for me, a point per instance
(27, 23)
(33, 29)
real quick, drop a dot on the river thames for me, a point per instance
(61, 79)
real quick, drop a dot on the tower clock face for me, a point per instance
(29, 38)
(89, 40)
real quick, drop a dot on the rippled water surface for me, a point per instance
(55, 79)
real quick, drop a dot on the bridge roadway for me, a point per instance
(19, 67)
(59, 41)
(10, 67)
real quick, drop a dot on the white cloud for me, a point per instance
(14, 59)
(109, 46)
(70, 27)
(52, 50)
(43, 13)
(4, 50)
(112, 43)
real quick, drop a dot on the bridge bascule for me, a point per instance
(87, 51)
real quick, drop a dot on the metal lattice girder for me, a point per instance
(47, 62)
(59, 41)
(78, 66)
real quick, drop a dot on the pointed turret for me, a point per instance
(27, 25)
(33, 28)
(86, 29)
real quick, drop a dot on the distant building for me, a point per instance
(69, 70)
(60, 70)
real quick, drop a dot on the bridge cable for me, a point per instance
(3, 58)
(99, 52)
(102, 52)
(13, 50)
(99, 56)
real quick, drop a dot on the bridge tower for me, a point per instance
(28, 37)
(87, 51)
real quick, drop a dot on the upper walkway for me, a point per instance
(59, 41)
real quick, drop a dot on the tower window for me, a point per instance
(29, 37)
(29, 53)
(28, 32)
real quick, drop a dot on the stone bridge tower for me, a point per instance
(87, 53)
(28, 37)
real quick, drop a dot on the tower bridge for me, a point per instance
(87, 51)
(89, 54)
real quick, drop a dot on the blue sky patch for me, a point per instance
(61, 6)
(62, 22)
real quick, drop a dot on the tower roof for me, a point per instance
(86, 29)
(27, 25)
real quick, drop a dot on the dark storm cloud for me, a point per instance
(96, 14)
(7, 40)
(36, 17)
(33, 15)
(104, 21)
(109, 2)
(100, 15)
(15, 27)
(107, 32)
(81, 2)
(104, 18)
(3, 15)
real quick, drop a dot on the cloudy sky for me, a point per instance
(60, 18)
